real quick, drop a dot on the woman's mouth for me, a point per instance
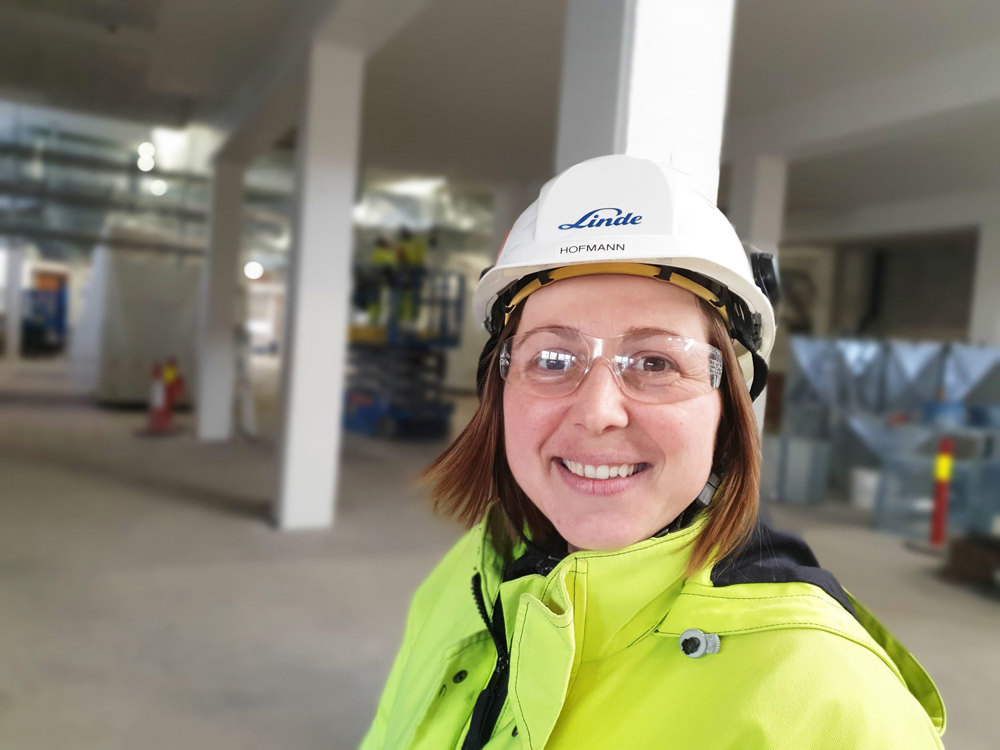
(602, 471)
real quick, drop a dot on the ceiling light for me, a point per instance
(253, 270)
(147, 149)
(416, 187)
(145, 163)
(158, 187)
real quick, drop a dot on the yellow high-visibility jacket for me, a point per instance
(618, 649)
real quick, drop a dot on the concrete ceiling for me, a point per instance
(962, 158)
(786, 50)
(146, 60)
(469, 88)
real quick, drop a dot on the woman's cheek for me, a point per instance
(528, 424)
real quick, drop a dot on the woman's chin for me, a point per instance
(581, 536)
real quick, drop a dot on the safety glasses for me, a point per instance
(649, 365)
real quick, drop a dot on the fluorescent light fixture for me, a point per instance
(253, 270)
(145, 163)
(176, 149)
(416, 187)
(147, 150)
(158, 187)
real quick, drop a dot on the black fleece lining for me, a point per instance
(770, 556)
(767, 556)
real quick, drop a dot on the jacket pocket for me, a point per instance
(442, 694)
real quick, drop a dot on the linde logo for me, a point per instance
(604, 217)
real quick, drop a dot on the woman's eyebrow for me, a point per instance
(632, 332)
(554, 329)
(648, 331)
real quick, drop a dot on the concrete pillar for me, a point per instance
(320, 286)
(216, 327)
(757, 200)
(646, 77)
(757, 211)
(12, 301)
(984, 321)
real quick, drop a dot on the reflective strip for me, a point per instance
(622, 268)
(942, 467)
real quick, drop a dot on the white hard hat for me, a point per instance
(622, 214)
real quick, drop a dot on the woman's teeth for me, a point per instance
(603, 471)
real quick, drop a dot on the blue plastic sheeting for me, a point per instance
(842, 403)
(804, 470)
(884, 441)
(862, 363)
(807, 420)
(906, 491)
(814, 376)
(985, 415)
(985, 511)
(913, 372)
(967, 368)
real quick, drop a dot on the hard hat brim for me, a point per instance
(497, 279)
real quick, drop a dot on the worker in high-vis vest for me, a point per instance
(411, 251)
(616, 588)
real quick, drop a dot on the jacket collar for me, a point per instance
(612, 597)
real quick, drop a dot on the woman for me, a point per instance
(623, 594)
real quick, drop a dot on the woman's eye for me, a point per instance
(655, 364)
(554, 361)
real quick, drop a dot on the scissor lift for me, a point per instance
(397, 366)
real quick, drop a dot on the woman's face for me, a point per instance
(598, 425)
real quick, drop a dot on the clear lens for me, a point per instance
(655, 367)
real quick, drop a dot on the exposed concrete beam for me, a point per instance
(277, 112)
(268, 101)
(364, 26)
(272, 70)
(956, 211)
(935, 94)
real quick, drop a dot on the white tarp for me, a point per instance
(140, 308)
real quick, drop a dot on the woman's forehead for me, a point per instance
(611, 304)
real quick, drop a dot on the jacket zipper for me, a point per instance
(491, 699)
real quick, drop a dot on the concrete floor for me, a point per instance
(145, 601)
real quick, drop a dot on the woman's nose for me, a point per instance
(598, 402)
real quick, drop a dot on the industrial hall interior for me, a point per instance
(239, 243)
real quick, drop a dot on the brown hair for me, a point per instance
(473, 472)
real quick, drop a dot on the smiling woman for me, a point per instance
(667, 448)
(623, 593)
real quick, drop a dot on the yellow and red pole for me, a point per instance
(943, 464)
